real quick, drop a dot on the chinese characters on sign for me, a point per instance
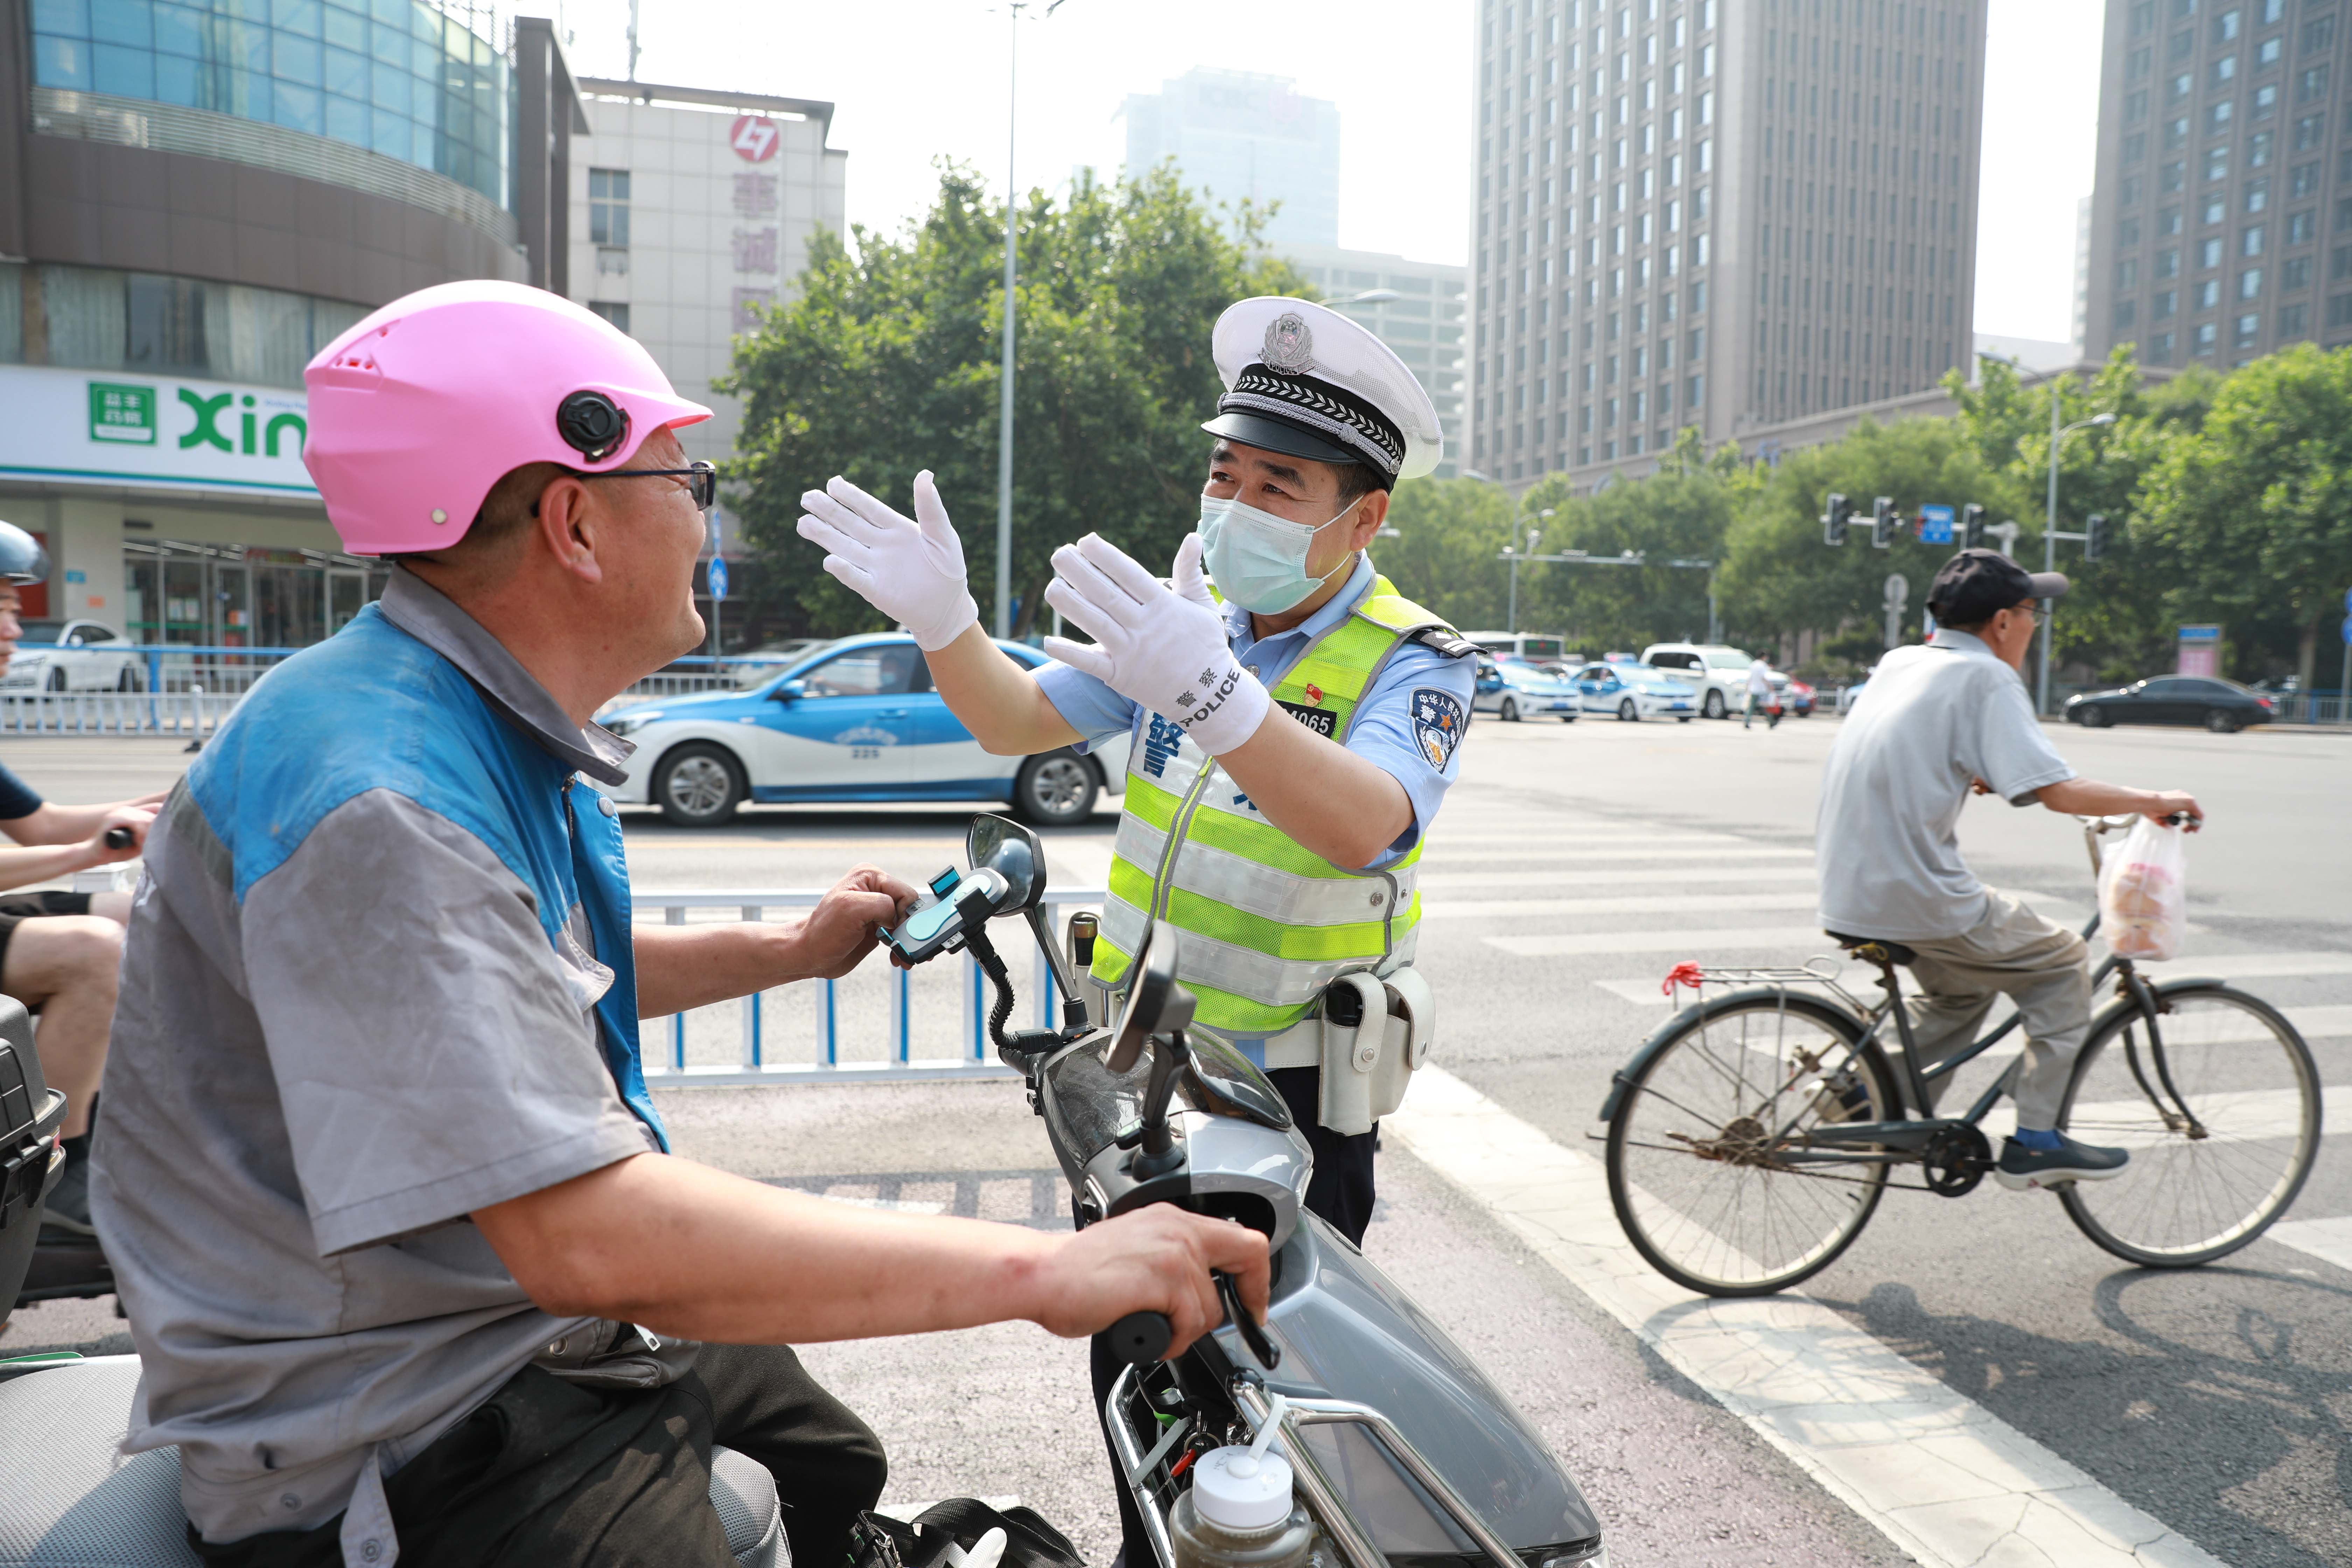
(755, 196)
(755, 250)
(749, 304)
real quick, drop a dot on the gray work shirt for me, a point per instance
(288, 1078)
(1933, 719)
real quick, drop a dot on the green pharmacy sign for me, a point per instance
(120, 412)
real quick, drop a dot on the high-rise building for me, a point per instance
(2215, 169)
(1241, 136)
(1417, 309)
(195, 199)
(2082, 275)
(1727, 214)
(691, 210)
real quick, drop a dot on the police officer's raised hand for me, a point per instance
(1159, 644)
(910, 568)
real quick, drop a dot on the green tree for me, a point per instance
(2115, 621)
(1681, 513)
(1447, 555)
(2255, 506)
(1779, 578)
(887, 362)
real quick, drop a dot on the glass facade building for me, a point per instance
(400, 78)
(92, 318)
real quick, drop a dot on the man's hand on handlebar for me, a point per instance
(2176, 809)
(121, 834)
(840, 931)
(1157, 1259)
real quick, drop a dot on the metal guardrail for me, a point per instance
(830, 1057)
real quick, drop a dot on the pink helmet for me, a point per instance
(417, 411)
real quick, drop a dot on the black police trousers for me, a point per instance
(550, 1474)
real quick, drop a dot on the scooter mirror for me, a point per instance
(1156, 1004)
(1013, 853)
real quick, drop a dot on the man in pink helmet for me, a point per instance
(409, 1265)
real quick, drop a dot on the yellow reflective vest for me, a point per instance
(1268, 924)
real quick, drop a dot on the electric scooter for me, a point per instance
(1405, 1453)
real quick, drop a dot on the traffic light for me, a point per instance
(1883, 521)
(1972, 527)
(2095, 538)
(1833, 520)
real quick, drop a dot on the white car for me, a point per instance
(1635, 691)
(74, 656)
(1719, 672)
(856, 720)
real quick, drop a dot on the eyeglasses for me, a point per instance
(702, 480)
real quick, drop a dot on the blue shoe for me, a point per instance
(2023, 1169)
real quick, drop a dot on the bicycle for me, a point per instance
(1749, 1140)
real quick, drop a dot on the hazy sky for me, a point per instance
(915, 81)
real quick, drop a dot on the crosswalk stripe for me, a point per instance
(1795, 940)
(2329, 1240)
(1643, 989)
(1632, 904)
(1443, 852)
(1651, 875)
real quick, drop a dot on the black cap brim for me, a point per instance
(1279, 436)
(2049, 585)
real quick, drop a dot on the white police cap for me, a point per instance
(1309, 383)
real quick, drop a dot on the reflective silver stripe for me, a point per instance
(1284, 897)
(1268, 981)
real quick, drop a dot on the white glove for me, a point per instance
(912, 571)
(1163, 644)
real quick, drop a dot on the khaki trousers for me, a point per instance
(2045, 969)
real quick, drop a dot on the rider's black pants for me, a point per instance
(549, 1474)
(1339, 1193)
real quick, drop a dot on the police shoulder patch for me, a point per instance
(1438, 723)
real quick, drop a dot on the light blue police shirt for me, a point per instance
(1383, 730)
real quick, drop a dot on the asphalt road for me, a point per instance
(2216, 1400)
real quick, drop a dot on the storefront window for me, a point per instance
(394, 76)
(212, 595)
(88, 317)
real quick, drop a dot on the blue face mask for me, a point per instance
(1257, 560)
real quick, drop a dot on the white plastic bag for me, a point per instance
(2143, 893)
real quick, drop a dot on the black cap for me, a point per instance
(1977, 584)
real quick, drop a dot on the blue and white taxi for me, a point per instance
(1634, 692)
(1513, 690)
(856, 720)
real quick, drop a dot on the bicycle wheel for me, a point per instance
(1692, 1168)
(2192, 1196)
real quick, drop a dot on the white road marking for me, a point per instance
(2329, 1240)
(1796, 942)
(1644, 990)
(1943, 1478)
(1626, 904)
(1644, 877)
(1525, 847)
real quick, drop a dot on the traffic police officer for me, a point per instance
(1290, 745)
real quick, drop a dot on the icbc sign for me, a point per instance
(754, 138)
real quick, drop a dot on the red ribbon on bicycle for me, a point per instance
(1687, 972)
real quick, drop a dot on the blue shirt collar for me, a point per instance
(1334, 610)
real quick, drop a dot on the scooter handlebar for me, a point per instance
(1141, 1338)
(118, 839)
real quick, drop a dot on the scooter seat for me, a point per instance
(73, 1501)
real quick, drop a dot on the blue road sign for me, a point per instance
(2348, 631)
(718, 576)
(1935, 525)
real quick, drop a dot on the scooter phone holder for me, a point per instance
(954, 904)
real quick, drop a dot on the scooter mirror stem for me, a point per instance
(1159, 1155)
(1074, 1007)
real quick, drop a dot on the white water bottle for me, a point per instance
(1238, 1512)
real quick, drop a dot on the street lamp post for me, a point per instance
(1003, 616)
(1512, 554)
(2050, 537)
